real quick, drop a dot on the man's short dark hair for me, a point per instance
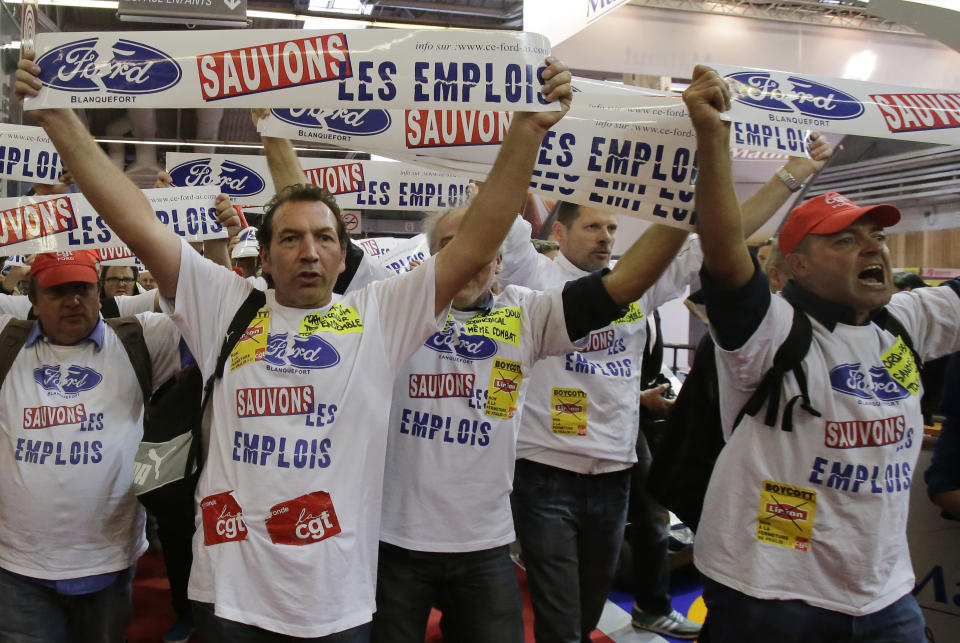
(904, 280)
(103, 275)
(300, 192)
(566, 212)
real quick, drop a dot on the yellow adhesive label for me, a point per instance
(899, 362)
(252, 347)
(634, 314)
(339, 319)
(568, 411)
(505, 382)
(786, 515)
(501, 324)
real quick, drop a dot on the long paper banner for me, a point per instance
(374, 185)
(69, 222)
(26, 154)
(401, 68)
(844, 106)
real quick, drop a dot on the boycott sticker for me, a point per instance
(252, 347)
(304, 520)
(339, 319)
(505, 379)
(899, 362)
(568, 411)
(222, 519)
(786, 513)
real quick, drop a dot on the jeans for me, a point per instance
(649, 535)
(736, 617)
(477, 591)
(570, 528)
(32, 613)
(214, 629)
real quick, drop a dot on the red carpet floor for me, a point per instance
(152, 613)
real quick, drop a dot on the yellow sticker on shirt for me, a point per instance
(252, 346)
(634, 314)
(786, 515)
(501, 324)
(899, 362)
(505, 382)
(339, 319)
(568, 411)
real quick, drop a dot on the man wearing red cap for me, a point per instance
(71, 414)
(803, 534)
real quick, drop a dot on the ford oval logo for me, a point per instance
(850, 379)
(312, 352)
(125, 68)
(473, 347)
(77, 378)
(234, 179)
(759, 89)
(357, 122)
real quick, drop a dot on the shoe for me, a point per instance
(180, 631)
(673, 624)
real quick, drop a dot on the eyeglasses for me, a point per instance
(126, 281)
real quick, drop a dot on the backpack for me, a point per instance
(168, 461)
(693, 437)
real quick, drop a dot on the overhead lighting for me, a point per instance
(860, 66)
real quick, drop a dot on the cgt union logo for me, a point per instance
(850, 379)
(307, 352)
(222, 519)
(234, 179)
(758, 89)
(126, 67)
(304, 520)
(77, 379)
(354, 122)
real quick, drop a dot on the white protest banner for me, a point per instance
(843, 106)
(376, 246)
(399, 257)
(119, 256)
(69, 222)
(401, 68)
(26, 154)
(560, 19)
(374, 185)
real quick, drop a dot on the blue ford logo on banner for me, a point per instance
(133, 68)
(357, 122)
(758, 89)
(234, 179)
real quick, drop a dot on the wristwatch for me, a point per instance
(788, 179)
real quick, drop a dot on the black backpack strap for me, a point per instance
(12, 339)
(789, 358)
(130, 332)
(109, 308)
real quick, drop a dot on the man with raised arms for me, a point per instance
(803, 533)
(290, 494)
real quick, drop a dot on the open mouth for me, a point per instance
(872, 275)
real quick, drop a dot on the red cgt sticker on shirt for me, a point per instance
(304, 520)
(222, 519)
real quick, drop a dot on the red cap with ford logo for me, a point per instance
(827, 214)
(55, 268)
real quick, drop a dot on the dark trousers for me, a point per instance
(477, 591)
(649, 534)
(570, 527)
(214, 629)
(175, 529)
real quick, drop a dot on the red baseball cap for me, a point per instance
(826, 214)
(55, 268)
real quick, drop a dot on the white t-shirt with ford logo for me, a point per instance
(819, 513)
(454, 422)
(289, 499)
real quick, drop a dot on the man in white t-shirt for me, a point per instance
(71, 419)
(289, 498)
(803, 533)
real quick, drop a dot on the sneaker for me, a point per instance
(180, 631)
(673, 624)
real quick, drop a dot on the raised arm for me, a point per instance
(491, 212)
(643, 263)
(281, 157)
(725, 254)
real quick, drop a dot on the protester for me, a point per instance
(146, 280)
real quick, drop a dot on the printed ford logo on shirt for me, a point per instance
(234, 179)
(473, 347)
(758, 89)
(306, 352)
(850, 379)
(126, 67)
(358, 122)
(77, 379)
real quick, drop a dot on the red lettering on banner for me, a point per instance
(864, 433)
(600, 340)
(222, 519)
(450, 127)
(41, 417)
(35, 220)
(278, 400)
(338, 179)
(263, 68)
(917, 112)
(304, 520)
(435, 385)
(108, 254)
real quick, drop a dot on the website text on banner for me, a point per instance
(68, 221)
(26, 154)
(401, 68)
(824, 104)
(372, 185)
